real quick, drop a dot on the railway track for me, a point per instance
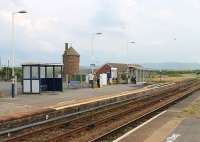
(33, 128)
(103, 123)
(122, 129)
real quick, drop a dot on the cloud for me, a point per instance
(5, 16)
(152, 24)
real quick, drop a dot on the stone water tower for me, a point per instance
(71, 61)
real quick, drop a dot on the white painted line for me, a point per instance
(131, 131)
(172, 138)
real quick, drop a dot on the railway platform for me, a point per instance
(28, 110)
(68, 120)
(179, 123)
(28, 103)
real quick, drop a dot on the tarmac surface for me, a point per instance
(26, 103)
(172, 126)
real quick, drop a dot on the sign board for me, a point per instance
(103, 79)
(92, 65)
(74, 84)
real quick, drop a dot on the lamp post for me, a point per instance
(126, 58)
(129, 42)
(7, 70)
(92, 65)
(0, 62)
(160, 75)
(13, 49)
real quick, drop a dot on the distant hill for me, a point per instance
(172, 66)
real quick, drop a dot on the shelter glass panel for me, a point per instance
(35, 86)
(35, 74)
(27, 85)
(49, 72)
(42, 72)
(26, 72)
(58, 73)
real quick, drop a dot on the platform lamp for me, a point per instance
(129, 42)
(0, 62)
(92, 65)
(13, 49)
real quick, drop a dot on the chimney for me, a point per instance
(66, 46)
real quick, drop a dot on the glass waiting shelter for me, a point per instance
(42, 77)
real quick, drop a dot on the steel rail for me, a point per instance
(162, 91)
(12, 130)
(57, 125)
(71, 115)
(99, 122)
(155, 91)
(163, 107)
(62, 136)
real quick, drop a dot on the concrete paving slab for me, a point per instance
(26, 103)
(5, 88)
(168, 125)
(187, 131)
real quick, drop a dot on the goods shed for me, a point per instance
(42, 77)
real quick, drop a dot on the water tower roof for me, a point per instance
(72, 51)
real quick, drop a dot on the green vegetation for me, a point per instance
(192, 110)
(174, 73)
(6, 73)
(171, 75)
(77, 77)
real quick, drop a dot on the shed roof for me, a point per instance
(120, 67)
(123, 67)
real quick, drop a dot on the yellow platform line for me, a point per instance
(71, 103)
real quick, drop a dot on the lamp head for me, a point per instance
(132, 42)
(22, 11)
(99, 33)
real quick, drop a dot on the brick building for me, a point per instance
(71, 61)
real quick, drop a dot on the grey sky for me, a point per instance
(152, 24)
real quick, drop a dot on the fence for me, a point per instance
(77, 81)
